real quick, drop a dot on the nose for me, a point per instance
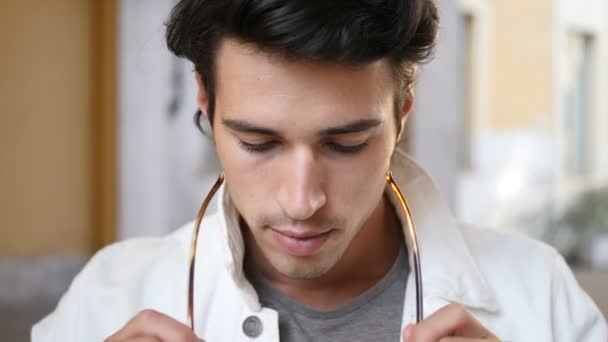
(301, 193)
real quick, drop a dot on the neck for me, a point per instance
(369, 257)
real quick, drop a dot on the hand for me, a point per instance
(450, 324)
(153, 326)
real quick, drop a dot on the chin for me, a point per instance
(299, 269)
(303, 274)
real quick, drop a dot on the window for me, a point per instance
(577, 104)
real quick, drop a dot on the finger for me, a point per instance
(452, 320)
(155, 324)
(463, 339)
(144, 339)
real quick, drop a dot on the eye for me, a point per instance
(257, 148)
(347, 149)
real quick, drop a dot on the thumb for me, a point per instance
(407, 332)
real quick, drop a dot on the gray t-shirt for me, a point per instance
(373, 316)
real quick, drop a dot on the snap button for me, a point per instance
(252, 326)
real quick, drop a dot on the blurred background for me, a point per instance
(97, 141)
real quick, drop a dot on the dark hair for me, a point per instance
(350, 32)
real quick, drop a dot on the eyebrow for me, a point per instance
(247, 127)
(352, 127)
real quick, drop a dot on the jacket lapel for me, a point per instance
(449, 271)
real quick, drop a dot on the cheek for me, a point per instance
(243, 179)
(237, 163)
(372, 163)
(357, 183)
(235, 159)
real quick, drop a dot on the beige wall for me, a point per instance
(521, 65)
(45, 127)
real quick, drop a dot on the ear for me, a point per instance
(406, 109)
(201, 96)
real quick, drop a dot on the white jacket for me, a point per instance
(518, 288)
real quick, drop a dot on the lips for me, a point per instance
(300, 244)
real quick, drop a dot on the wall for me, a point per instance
(521, 77)
(45, 127)
(586, 17)
(438, 118)
(166, 164)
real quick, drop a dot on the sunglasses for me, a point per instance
(411, 231)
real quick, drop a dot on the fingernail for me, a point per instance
(407, 332)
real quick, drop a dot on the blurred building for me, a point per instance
(536, 120)
(512, 122)
(56, 162)
(166, 166)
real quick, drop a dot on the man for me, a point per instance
(307, 101)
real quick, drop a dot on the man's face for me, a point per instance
(304, 149)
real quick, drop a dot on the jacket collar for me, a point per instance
(449, 271)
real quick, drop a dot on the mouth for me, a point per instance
(300, 244)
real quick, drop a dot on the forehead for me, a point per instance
(251, 81)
